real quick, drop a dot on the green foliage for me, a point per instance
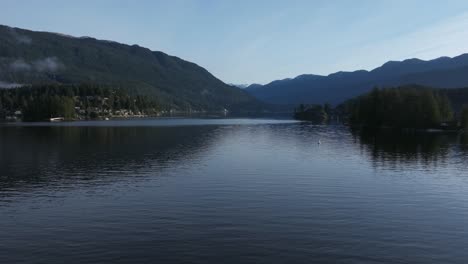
(405, 107)
(43, 108)
(464, 117)
(457, 97)
(327, 108)
(39, 103)
(316, 113)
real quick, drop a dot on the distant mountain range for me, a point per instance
(335, 88)
(242, 86)
(29, 57)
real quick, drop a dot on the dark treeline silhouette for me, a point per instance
(404, 107)
(38, 103)
(464, 118)
(316, 112)
(458, 98)
(410, 106)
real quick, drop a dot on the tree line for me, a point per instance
(410, 106)
(315, 112)
(38, 103)
(404, 107)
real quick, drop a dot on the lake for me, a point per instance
(230, 191)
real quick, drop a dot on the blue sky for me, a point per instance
(258, 41)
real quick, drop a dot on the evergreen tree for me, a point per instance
(40, 103)
(401, 107)
(464, 117)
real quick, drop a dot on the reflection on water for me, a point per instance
(33, 155)
(397, 149)
(230, 191)
(404, 147)
(464, 142)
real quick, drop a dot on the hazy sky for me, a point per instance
(260, 41)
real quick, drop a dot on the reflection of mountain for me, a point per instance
(86, 155)
(397, 148)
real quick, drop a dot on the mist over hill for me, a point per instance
(34, 58)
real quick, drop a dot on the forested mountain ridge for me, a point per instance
(29, 57)
(335, 88)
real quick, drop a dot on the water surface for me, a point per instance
(230, 191)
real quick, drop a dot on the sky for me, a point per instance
(258, 41)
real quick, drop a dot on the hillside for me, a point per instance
(337, 87)
(29, 57)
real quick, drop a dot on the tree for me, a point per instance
(314, 113)
(446, 111)
(39, 103)
(464, 117)
(404, 107)
(301, 108)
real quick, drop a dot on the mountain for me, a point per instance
(242, 86)
(335, 88)
(30, 57)
(251, 88)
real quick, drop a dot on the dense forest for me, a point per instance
(315, 113)
(410, 106)
(406, 107)
(39, 103)
(458, 97)
(464, 118)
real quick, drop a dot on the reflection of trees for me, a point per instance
(464, 142)
(399, 148)
(55, 156)
(46, 155)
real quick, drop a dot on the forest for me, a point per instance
(408, 107)
(71, 102)
(314, 112)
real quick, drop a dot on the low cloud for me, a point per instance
(9, 85)
(20, 65)
(49, 64)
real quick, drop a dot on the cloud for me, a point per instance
(9, 85)
(20, 65)
(49, 64)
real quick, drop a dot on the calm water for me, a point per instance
(230, 191)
